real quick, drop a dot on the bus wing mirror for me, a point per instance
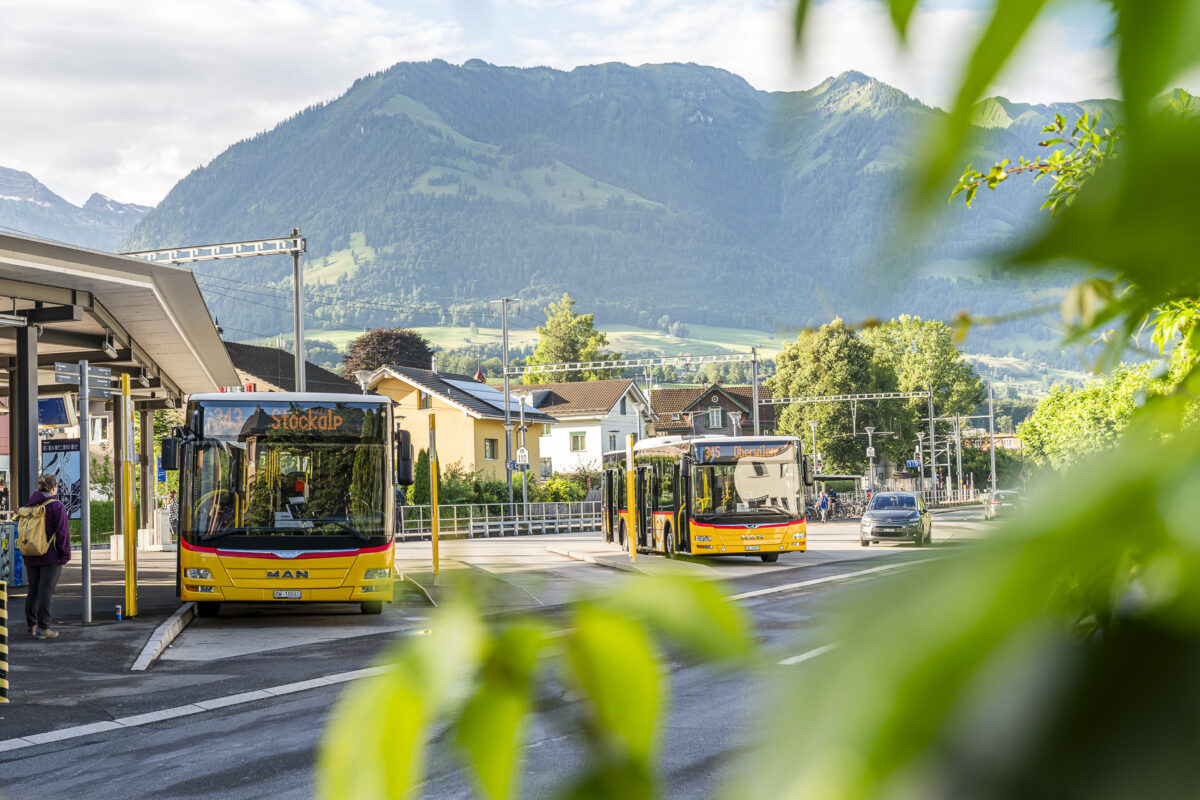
(170, 452)
(806, 471)
(404, 463)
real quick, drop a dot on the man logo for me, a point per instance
(287, 573)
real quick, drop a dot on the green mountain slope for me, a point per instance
(675, 189)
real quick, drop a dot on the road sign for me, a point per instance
(73, 369)
(93, 380)
(870, 452)
(513, 465)
(522, 456)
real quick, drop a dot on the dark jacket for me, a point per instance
(56, 524)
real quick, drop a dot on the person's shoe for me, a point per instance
(46, 633)
(33, 630)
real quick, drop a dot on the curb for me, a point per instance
(424, 591)
(163, 635)
(590, 559)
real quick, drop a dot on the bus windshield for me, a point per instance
(749, 485)
(289, 471)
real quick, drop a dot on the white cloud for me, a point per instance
(125, 98)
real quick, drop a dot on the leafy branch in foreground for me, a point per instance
(477, 682)
(1087, 149)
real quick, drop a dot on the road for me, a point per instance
(264, 745)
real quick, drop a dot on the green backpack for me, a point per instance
(31, 529)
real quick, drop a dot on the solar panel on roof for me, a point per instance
(488, 394)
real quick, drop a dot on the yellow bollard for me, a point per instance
(631, 493)
(3, 642)
(130, 532)
(433, 498)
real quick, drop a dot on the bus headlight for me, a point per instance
(197, 574)
(374, 588)
(703, 538)
(377, 574)
(797, 536)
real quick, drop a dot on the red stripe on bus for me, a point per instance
(758, 525)
(260, 554)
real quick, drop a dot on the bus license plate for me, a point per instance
(287, 594)
(750, 547)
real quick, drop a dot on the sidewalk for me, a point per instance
(46, 677)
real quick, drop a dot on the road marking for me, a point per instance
(199, 707)
(800, 659)
(827, 579)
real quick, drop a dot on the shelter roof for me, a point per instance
(141, 319)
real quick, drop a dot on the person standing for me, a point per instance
(44, 570)
(3, 496)
(173, 515)
(823, 506)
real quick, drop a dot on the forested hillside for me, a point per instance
(671, 189)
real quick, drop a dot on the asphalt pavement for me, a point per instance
(236, 706)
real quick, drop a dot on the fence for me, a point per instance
(481, 520)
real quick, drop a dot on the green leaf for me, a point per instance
(901, 11)
(613, 661)
(492, 725)
(1159, 41)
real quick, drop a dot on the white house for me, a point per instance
(594, 417)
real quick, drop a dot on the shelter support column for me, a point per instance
(148, 468)
(23, 400)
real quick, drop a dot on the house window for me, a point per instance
(714, 418)
(99, 429)
(578, 442)
(424, 400)
(545, 429)
(547, 467)
(489, 449)
(612, 441)
(623, 412)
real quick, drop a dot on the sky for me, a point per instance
(125, 97)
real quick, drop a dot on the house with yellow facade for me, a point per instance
(469, 416)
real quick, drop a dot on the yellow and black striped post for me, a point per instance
(3, 642)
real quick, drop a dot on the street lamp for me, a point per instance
(870, 429)
(363, 376)
(812, 423)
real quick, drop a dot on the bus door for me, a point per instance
(609, 504)
(645, 521)
(682, 492)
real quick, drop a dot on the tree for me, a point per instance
(569, 337)
(833, 360)
(383, 346)
(910, 354)
(420, 487)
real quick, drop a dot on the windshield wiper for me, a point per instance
(207, 537)
(366, 537)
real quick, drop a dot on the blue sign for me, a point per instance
(162, 473)
(912, 462)
(53, 411)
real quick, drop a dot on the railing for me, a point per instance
(481, 520)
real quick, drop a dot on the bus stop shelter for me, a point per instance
(60, 303)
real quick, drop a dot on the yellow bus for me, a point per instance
(286, 497)
(708, 496)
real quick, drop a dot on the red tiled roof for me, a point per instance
(577, 398)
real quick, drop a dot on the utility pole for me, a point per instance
(932, 441)
(921, 456)
(812, 423)
(870, 429)
(508, 426)
(754, 380)
(958, 453)
(992, 438)
(298, 307)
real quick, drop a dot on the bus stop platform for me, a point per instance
(48, 677)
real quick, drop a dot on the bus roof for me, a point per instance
(680, 444)
(291, 397)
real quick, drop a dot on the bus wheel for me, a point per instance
(770, 558)
(207, 608)
(621, 533)
(372, 607)
(669, 542)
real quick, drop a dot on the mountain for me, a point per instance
(27, 206)
(665, 189)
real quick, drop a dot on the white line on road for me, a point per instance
(800, 659)
(200, 707)
(787, 587)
